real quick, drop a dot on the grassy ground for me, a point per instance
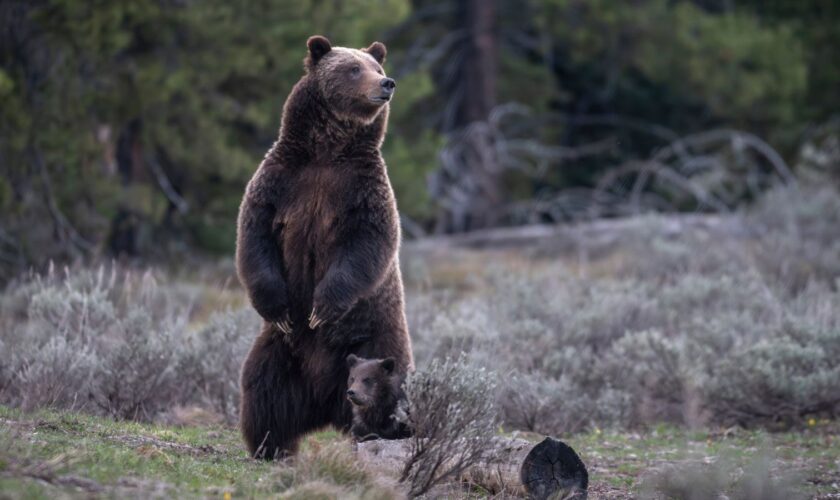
(54, 455)
(58, 455)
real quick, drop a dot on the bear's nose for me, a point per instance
(388, 84)
(351, 393)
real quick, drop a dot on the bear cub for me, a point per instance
(375, 391)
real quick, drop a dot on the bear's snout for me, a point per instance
(354, 398)
(388, 85)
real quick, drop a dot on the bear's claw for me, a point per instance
(285, 325)
(314, 320)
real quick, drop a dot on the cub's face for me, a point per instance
(368, 379)
(352, 81)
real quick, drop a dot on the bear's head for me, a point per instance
(351, 81)
(370, 380)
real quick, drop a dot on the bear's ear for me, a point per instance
(318, 47)
(378, 51)
(387, 364)
(352, 360)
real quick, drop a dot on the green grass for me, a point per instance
(620, 462)
(67, 455)
(47, 454)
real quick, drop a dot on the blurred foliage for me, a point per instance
(670, 68)
(100, 98)
(131, 128)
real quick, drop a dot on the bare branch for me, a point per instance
(166, 186)
(63, 226)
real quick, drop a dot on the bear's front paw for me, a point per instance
(275, 315)
(269, 299)
(323, 314)
(314, 320)
(285, 324)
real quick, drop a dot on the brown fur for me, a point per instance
(375, 390)
(317, 242)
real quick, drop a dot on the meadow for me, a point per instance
(681, 356)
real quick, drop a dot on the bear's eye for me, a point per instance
(355, 70)
(367, 382)
(352, 380)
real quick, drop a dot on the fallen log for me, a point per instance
(515, 467)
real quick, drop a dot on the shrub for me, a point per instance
(451, 409)
(113, 342)
(779, 379)
(212, 357)
(137, 376)
(797, 230)
(57, 374)
(653, 371)
(535, 403)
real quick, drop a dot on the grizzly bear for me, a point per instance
(375, 390)
(317, 241)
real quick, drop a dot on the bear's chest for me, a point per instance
(317, 200)
(310, 220)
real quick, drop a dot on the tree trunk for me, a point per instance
(468, 183)
(515, 467)
(125, 225)
(479, 70)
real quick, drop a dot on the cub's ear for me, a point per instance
(378, 51)
(387, 365)
(352, 360)
(318, 46)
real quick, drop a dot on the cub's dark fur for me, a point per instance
(317, 245)
(375, 390)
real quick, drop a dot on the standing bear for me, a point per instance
(317, 242)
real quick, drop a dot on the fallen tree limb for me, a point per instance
(558, 238)
(514, 467)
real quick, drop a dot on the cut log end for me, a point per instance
(553, 469)
(514, 467)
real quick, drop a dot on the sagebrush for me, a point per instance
(114, 342)
(693, 327)
(451, 410)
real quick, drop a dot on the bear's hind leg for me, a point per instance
(276, 404)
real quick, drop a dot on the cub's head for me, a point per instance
(351, 81)
(370, 380)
